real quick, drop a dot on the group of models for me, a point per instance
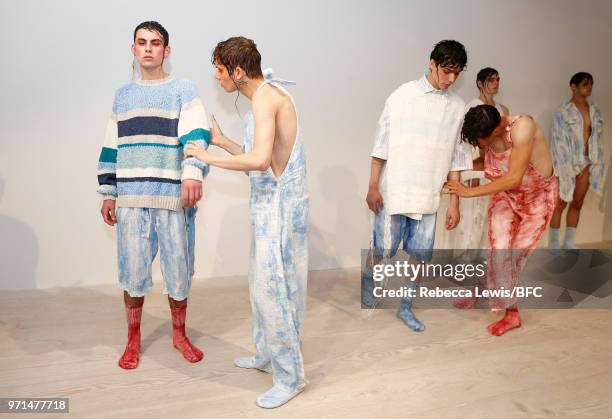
(577, 152)
(151, 171)
(154, 160)
(498, 155)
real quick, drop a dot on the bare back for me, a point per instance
(540, 155)
(286, 127)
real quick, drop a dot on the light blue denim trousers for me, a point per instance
(416, 238)
(278, 275)
(140, 232)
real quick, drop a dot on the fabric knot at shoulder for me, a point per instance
(268, 74)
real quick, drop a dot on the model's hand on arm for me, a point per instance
(374, 198)
(220, 140)
(191, 192)
(216, 135)
(196, 150)
(522, 148)
(455, 188)
(108, 212)
(264, 113)
(452, 213)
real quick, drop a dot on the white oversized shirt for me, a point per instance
(418, 136)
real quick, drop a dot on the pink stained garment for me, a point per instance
(517, 220)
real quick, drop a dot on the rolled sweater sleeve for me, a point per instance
(107, 162)
(193, 127)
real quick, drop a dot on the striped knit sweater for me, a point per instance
(141, 163)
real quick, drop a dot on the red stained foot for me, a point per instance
(511, 320)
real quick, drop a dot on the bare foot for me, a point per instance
(511, 320)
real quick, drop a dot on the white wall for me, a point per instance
(62, 61)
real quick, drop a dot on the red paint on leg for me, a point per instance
(465, 303)
(179, 339)
(131, 355)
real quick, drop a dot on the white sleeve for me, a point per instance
(462, 154)
(381, 142)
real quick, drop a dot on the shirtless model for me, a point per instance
(524, 189)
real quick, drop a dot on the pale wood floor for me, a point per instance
(360, 363)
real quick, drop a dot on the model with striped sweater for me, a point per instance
(149, 191)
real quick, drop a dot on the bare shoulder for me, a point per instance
(271, 95)
(265, 101)
(524, 130)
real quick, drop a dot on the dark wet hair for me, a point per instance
(580, 77)
(238, 51)
(479, 122)
(449, 54)
(152, 25)
(484, 74)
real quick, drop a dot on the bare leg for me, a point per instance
(554, 242)
(132, 301)
(573, 213)
(582, 186)
(555, 221)
(176, 303)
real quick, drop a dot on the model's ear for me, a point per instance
(479, 84)
(499, 131)
(432, 65)
(133, 50)
(167, 51)
(574, 88)
(239, 74)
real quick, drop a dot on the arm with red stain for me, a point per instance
(522, 133)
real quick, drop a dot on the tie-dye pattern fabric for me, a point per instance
(389, 232)
(279, 263)
(140, 232)
(568, 151)
(517, 221)
(415, 236)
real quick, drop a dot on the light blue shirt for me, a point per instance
(568, 152)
